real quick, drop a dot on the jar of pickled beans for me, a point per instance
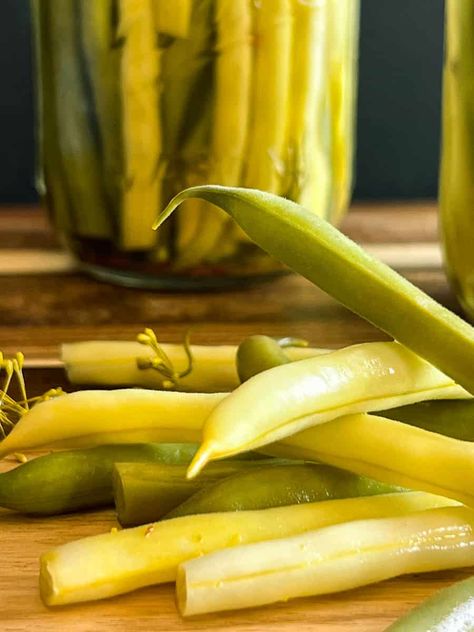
(138, 99)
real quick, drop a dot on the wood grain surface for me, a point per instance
(39, 311)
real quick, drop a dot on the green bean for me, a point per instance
(388, 451)
(229, 129)
(63, 482)
(188, 90)
(78, 144)
(449, 610)
(322, 254)
(102, 65)
(50, 169)
(145, 492)
(453, 418)
(187, 64)
(277, 486)
(259, 353)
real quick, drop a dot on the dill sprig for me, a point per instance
(161, 362)
(12, 410)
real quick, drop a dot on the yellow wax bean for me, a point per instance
(89, 418)
(308, 153)
(113, 563)
(328, 560)
(114, 363)
(389, 451)
(173, 18)
(270, 103)
(289, 398)
(140, 66)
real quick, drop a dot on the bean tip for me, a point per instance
(201, 458)
(164, 215)
(171, 206)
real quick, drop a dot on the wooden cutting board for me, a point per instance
(39, 311)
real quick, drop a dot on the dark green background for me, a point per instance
(398, 114)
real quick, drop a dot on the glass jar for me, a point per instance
(457, 161)
(139, 99)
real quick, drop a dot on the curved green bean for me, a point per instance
(277, 486)
(322, 254)
(62, 482)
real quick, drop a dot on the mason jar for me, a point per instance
(138, 99)
(457, 159)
